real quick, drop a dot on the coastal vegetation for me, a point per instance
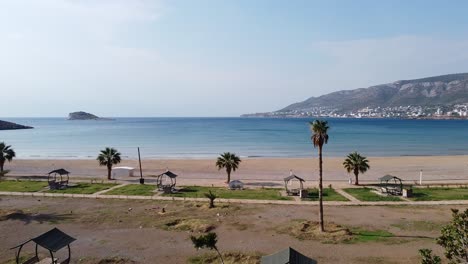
(133, 189)
(22, 186)
(229, 258)
(329, 194)
(211, 197)
(369, 195)
(319, 138)
(207, 241)
(6, 154)
(356, 163)
(228, 161)
(84, 188)
(109, 157)
(254, 194)
(439, 194)
(454, 240)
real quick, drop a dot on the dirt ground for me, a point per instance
(139, 231)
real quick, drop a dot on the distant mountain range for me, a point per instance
(4, 125)
(441, 90)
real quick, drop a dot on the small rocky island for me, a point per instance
(84, 116)
(4, 125)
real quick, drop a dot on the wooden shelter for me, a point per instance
(166, 181)
(287, 256)
(53, 241)
(236, 185)
(290, 180)
(391, 185)
(55, 179)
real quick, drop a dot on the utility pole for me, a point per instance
(420, 177)
(142, 181)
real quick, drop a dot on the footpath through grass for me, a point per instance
(133, 189)
(439, 194)
(253, 194)
(85, 188)
(367, 194)
(22, 186)
(329, 194)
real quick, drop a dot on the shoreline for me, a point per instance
(313, 155)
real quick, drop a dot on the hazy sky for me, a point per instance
(215, 58)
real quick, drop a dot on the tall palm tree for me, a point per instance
(230, 162)
(6, 153)
(356, 163)
(319, 138)
(109, 157)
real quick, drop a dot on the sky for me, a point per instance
(215, 58)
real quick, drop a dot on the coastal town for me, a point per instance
(458, 111)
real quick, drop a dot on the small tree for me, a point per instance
(454, 239)
(207, 241)
(428, 258)
(6, 154)
(212, 197)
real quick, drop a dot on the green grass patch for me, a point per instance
(329, 194)
(254, 194)
(22, 186)
(419, 226)
(439, 194)
(85, 188)
(367, 194)
(133, 189)
(363, 236)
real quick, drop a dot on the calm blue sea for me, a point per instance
(57, 138)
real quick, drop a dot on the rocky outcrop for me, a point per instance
(4, 125)
(82, 116)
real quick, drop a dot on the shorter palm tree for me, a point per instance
(230, 162)
(211, 196)
(6, 154)
(356, 163)
(109, 157)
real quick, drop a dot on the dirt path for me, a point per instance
(133, 228)
(239, 201)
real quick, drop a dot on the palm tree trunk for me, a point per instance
(109, 170)
(229, 177)
(219, 254)
(1, 165)
(356, 174)
(322, 229)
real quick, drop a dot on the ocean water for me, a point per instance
(57, 138)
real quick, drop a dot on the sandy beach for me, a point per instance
(441, 169)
